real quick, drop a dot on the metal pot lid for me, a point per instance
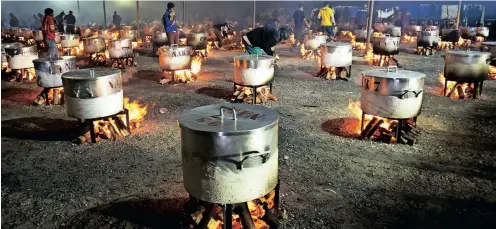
(220, 119)
(489, 43)
(337, 44)
(394, 73)
(53, 59)
(467, 53)
(91, 74)
(253, 57)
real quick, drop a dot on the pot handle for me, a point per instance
(232, 109)
(173, 45)
(488, 61)
(264, 156)
(85, 90)
(387, 35)
(391, 68)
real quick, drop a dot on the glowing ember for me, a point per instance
(309, 54)
(452, 89)
(355, 111)
(196, 65)
(26, 75)
(359, 45)
(134, 44)
(5, 67)
(479, 39)
(137, 112)
(185, 76)
(55, 97)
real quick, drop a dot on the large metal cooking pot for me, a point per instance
(93, 93)
(175, 57)
(69, 40)
(57, 37)
(336, 54)
(229, 152)
(392, 93)
(394, 31)
(450, 35)
(20, 56)
(50, 70)
(428, 38)
(466, 66)
(38, 35)
(120, 48)
(313, 42)
(361, 34)
(128, 34)
(432, 27)
(253, 70)
(85, 32)
(412, 30)
(469, 32)
(197, 40)
(159, 38)
(386, 45)
(489, 46)
(94, 45)
(105, 34)
(482, 31)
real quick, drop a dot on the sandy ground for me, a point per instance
(448, 180)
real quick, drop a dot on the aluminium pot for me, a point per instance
(432, 27)
(85, 32)
(120, 48)
(93, 93)
(489, 46)
(336, 54)
(482, 31)
(392, 93)
(159, 38)
(386, 45)
(229, 152)
(466, 66)
(106, 34)
(38, 35)
(94, 45)
(57, 37)
(253, 70)
(450, 35)
(21, 56)
(50, 70)
(469, 32)
(197, 40)
(175, 57)
(128, 34)
(69, 40)
(412, 30)
(394, 31)
(313, 42)
(361, 34)
(428, 38)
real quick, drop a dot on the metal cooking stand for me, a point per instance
(45, 93)
(254, 88)
(401, 123)
(92, 124)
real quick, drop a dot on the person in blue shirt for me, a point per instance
(299, 25)
(274, 23)
(170, 25)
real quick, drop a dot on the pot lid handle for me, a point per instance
(233, 112)
(387, 35)
(92, 73)
(391, 68)
(173, 45)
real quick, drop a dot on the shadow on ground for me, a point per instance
(40, 128)
(215, 92)
(148, 75)
(132, 213)
(19, 96)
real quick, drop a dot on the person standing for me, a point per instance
(326, 16)
(220, 31)
(170, 25)
(36, 23)
(14, 22)
(299, 19)
(116, 19)
(59, 19)
(71, 22)
(405, 19)
(48, 29)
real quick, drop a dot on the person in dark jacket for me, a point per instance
(300, 22)
(116, 19)
(71, 22)
(220, 31)
(170, 25)
(265, 38)
(14, 22)
(37, 22)
(59, 19)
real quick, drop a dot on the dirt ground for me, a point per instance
(448, 180)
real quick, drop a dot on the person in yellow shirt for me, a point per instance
(326, 16)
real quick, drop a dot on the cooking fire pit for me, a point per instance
(335, 61)
(181, 62)
(385, 47)
(20, 59)
(48, 75)
(253, 78)
(121, 54)
(230, 163)
(391, 100)
(427, 42)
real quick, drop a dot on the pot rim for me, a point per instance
(85, 74)
(467, 53)
(52, 60)
(390, 74)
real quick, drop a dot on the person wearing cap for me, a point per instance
(48, 29)
(326, 16)
(220, 31)
(265, 38)
(116, 19)
(71, 22)
(299, 27)
(170, 25)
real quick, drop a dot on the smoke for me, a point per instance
(128, 74)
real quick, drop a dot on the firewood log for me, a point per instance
(452, 90)
(272, 97)
(115, 128)
(374, 128)
(122, 127)
(241, 95)
(86, 137)
(270, 218)
(245, 216)
(236, 93)
(369, 127)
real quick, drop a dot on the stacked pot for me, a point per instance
(69, 40)
(313, 42)
(229, 153)
(93, 93)
(336, 54)
(392, 93)
(49, 70)
(253, 70)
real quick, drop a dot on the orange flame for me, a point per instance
(137, 111)
(406, 39)
(450, 86)
(355, 110)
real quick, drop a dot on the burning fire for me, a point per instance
(309, 54)
(355, 110)
(359, 45)
(452, 87)
(26, 75)
(186, 76)
(492, 72)
(479, 39)
(137, 112)
(55, 97)
(445, 45)
(5, 67)
(406, 39)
